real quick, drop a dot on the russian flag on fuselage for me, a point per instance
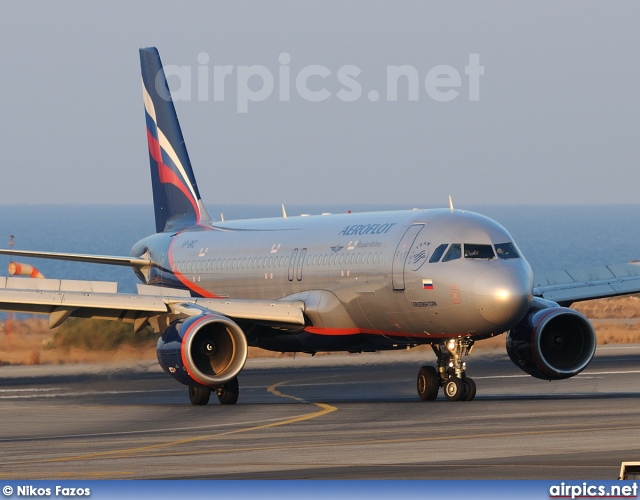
(175, 193)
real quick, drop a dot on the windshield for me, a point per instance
(474, 251)
(507, 251)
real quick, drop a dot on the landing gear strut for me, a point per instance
(450, 374)
(227, 393)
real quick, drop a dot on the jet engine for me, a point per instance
(206, 350)
(551, 342)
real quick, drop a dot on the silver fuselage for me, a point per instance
(364, 273)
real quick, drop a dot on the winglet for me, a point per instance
(176, 198)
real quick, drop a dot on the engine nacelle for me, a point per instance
(551, 342)
(206, 350)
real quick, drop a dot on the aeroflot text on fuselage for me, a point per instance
(360, 229)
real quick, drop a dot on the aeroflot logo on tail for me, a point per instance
(361, 229)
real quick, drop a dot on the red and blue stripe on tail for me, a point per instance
(176, 198)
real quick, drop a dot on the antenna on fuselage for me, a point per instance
(450, 204)
(284, 212)
(221, 217)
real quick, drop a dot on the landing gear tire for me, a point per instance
(228, 393)
(454, 389)
(199, 395)
(470, 389)
(428, 383)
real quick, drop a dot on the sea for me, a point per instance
(550, 237)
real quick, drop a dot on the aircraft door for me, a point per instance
(402, 252)
(303, 252)
(292, 263)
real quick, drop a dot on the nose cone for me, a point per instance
(504, 295)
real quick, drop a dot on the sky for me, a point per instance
(496, 102)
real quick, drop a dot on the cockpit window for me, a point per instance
(507, 251)
(454, 252)
(472, 251)
(437, 253)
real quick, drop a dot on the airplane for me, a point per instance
(352, 282)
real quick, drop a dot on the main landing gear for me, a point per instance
(227, 393)
(450, 374)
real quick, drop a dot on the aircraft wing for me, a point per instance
(567, 287)
(112, 260)
(61, 299)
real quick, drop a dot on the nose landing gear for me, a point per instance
(450, 375)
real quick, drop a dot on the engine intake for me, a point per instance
(551, 342)
(207, 350)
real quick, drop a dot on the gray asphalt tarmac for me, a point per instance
(330, 417)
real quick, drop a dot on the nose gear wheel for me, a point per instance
(450, 374)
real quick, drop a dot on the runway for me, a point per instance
(330, 417)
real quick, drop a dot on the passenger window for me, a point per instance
(454, 252)
(437, 253)
(507, 251)
(472, 251)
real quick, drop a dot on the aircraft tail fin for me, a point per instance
(176, 198)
